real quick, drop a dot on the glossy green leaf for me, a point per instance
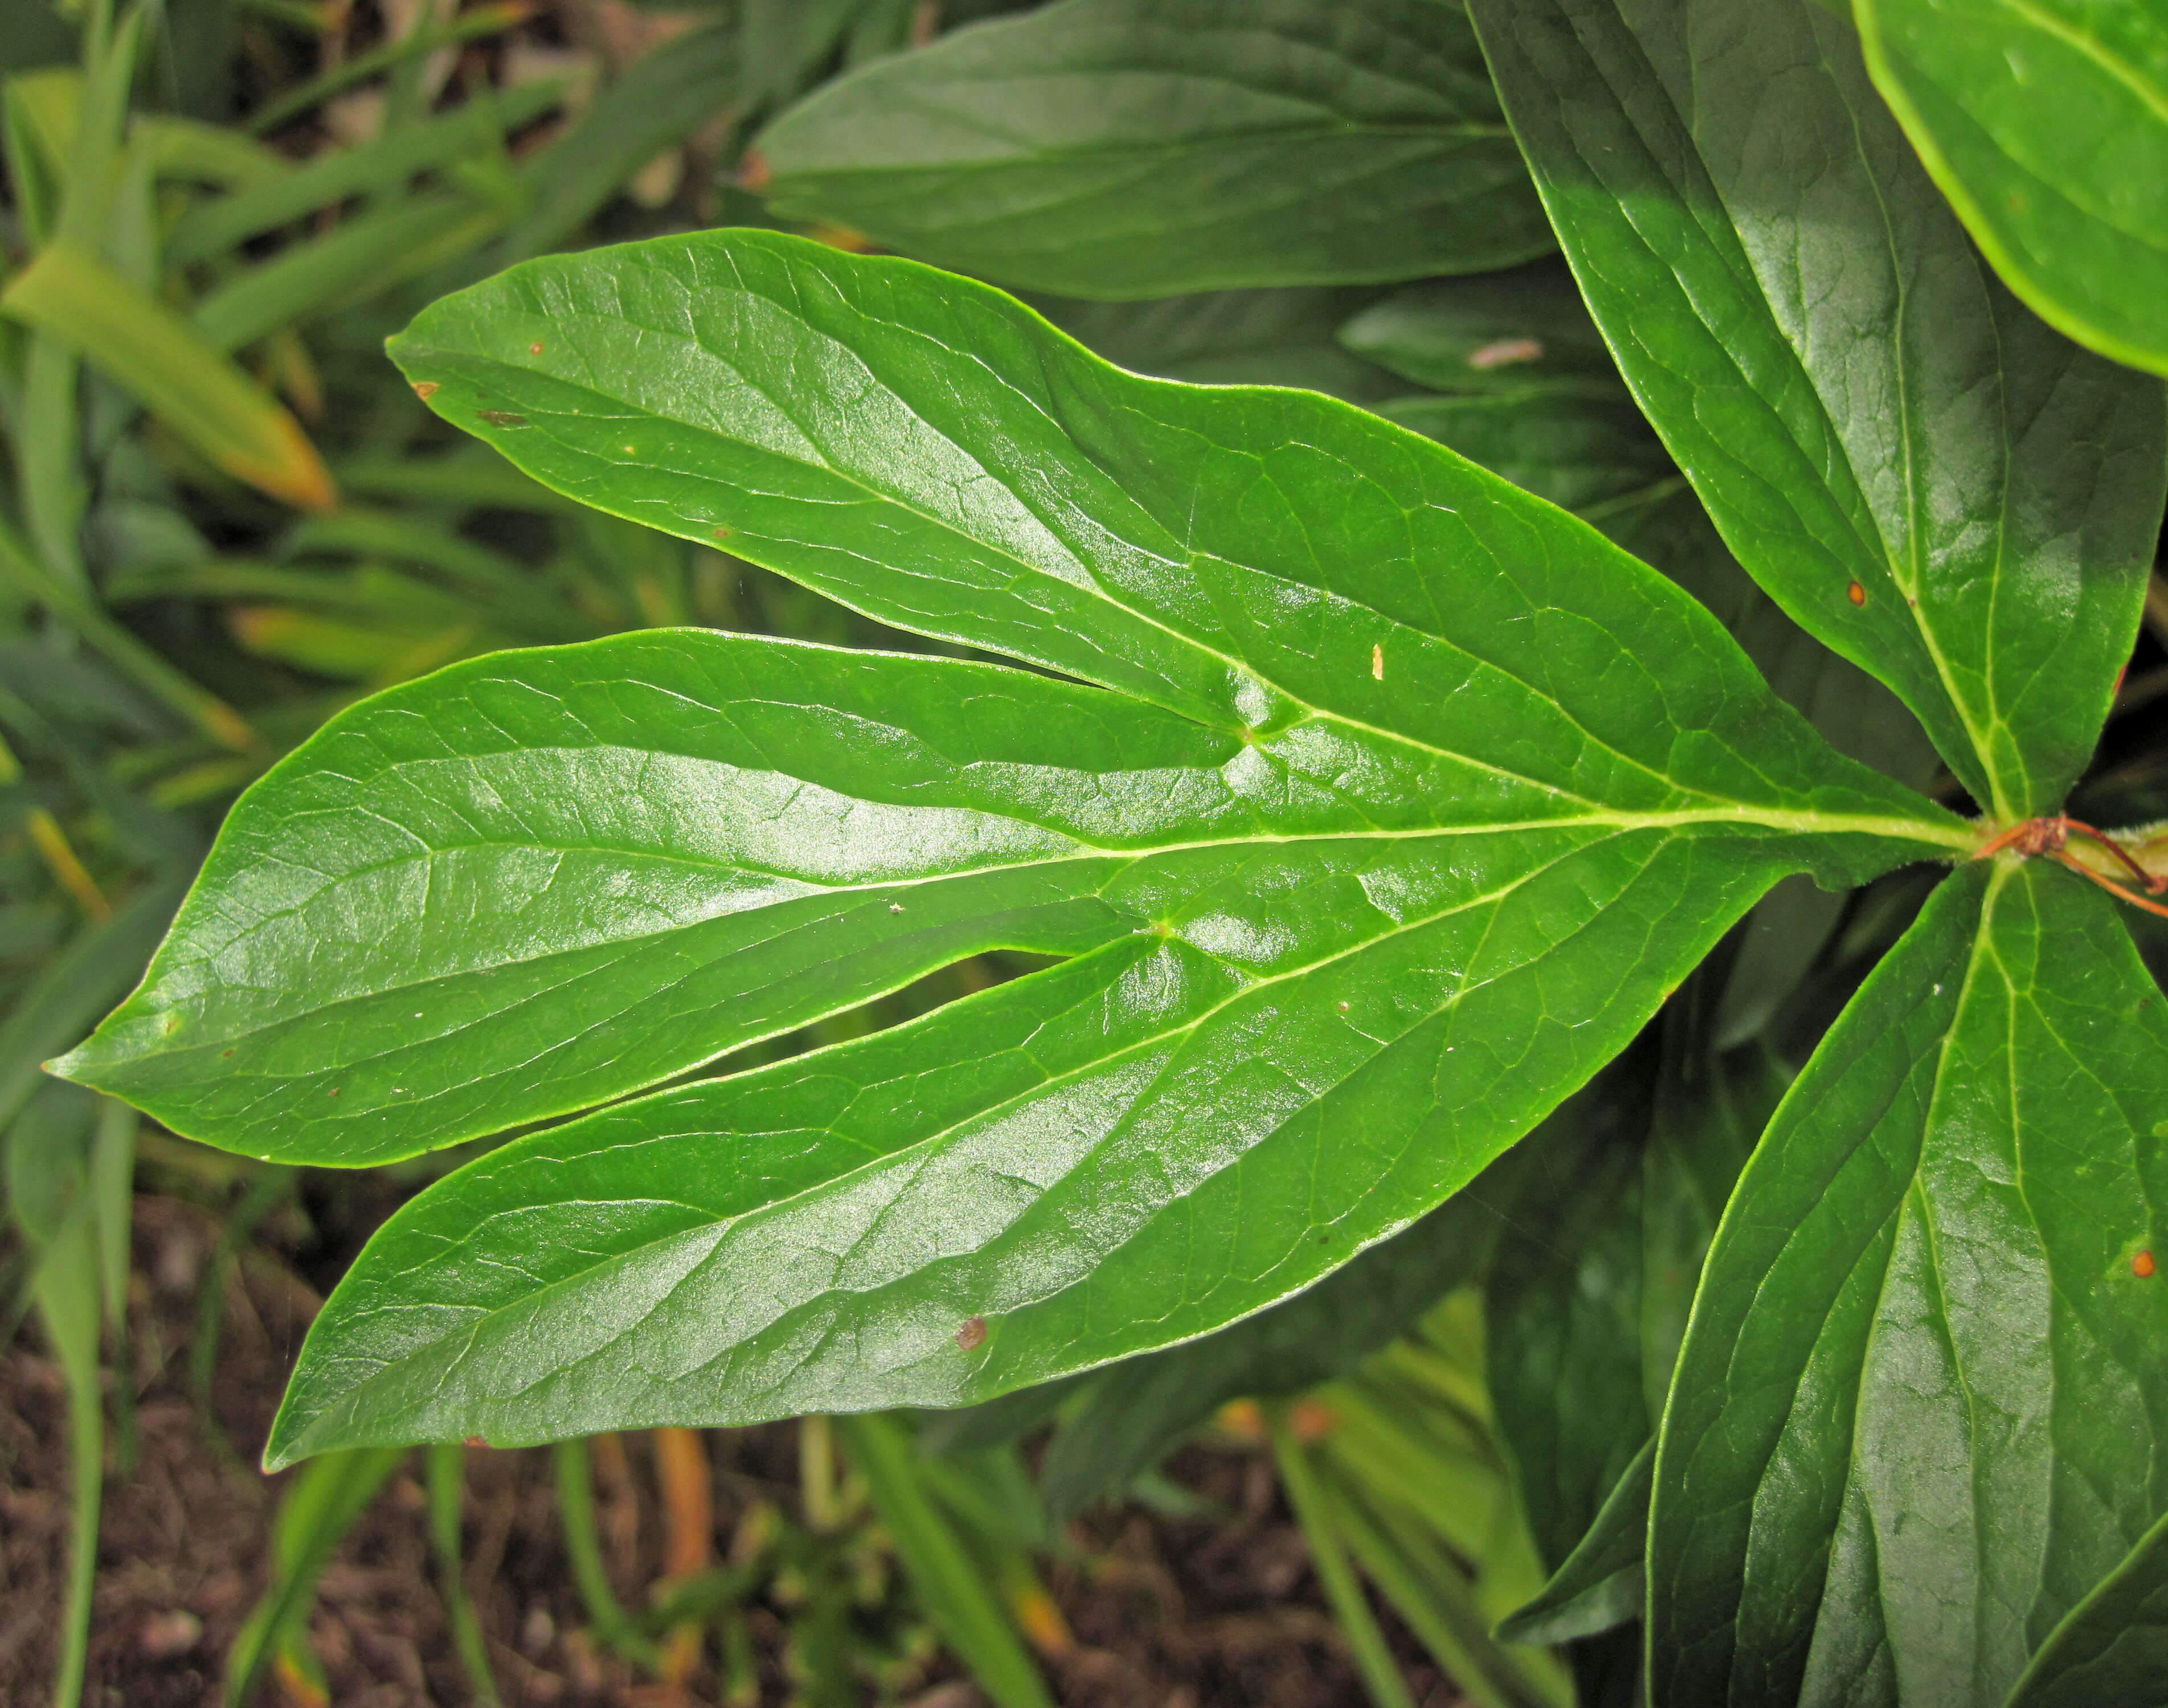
(1920, 1410)
(1929, 480)
(2111, 1650)
(1391, 734)
(1523, 330)
(1130, 148)
(2046, 124)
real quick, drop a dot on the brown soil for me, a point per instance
(1186, 1613)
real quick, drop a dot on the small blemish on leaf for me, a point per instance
(973, 1334)
(2142, 1265)
(1377, 663)
(333, 1091)
(501, 418)
(425, 388)
(630, 451)
(722, 533)
(225, 1054)
(172, 1025)
(1505, 352)
(1343, 1007)
(1855, 593)
(535, 348)
(896, 906)
(476, 1441)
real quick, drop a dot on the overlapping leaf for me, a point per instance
(1924, 476)
(1130, 148)
(1919, 1411)
(2046, 124)
(1414, 798)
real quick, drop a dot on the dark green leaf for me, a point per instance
(2112, 1650)
(1582, 453)
(2046, 124)
(1232, 337)
(1137, 147)
(1601, 1583)
(1929, 479)
(1919, 1411)
(1518, 330)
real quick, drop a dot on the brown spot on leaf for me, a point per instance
(534, 349)
(1855, 593)
(1377, 663)
(724, 533)
(225, 1054)
(973, 1334)
(476, 1441)
(425, 388)
(501, 418)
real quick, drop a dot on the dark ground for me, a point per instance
(1171, 1613)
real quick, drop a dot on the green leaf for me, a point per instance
(1602, 1584)
(1124, 148)
(1920, 1410)
(1141, 1408)
(2111, 1650)
(2046, 124)
(1282, 337)
(1387, 732)
(1926, 477)
(951, 1586)
(1525, 330)
(1580, 453)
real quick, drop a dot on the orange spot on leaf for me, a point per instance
(2142, 1265)
(534, 349)
(973, 1334)
(425, 388)
(1855, 593)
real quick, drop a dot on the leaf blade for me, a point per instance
(1118, 149)
(1809, 330)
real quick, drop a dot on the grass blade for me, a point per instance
(321, 1506)
(575, 1513)
(1366, 1642)
(447, 1481)
(150, 351)
(948, 1583)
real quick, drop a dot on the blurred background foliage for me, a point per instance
(223, 517)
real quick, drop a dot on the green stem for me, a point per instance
(575, 1513)
(448, 1481)
(1366, 1642)
(68, 1302)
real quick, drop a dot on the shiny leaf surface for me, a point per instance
(1920, 1409)
(1928, 478)
(1414, 798)
(2112, 1650)
(2046, 124)
(1127, 148)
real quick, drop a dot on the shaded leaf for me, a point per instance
(2111, 1650)
(1139, 147)
(1601, 1583)
(1926, 476)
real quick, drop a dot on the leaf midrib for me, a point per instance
(1955, 836)
(1097, 589)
